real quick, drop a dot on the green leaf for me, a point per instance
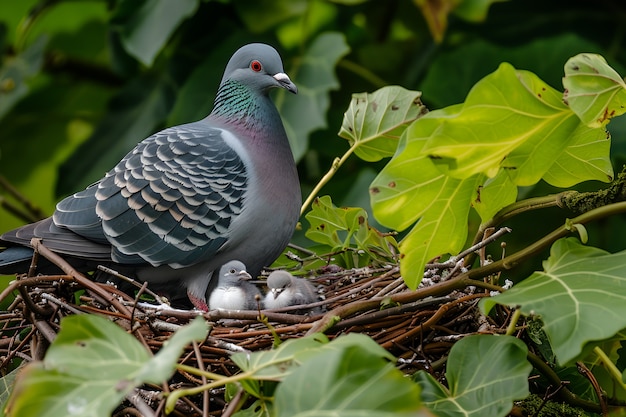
(579, 297)
(485, 373)
(400, 194)
(447, 216)
(348, 227)
(147, 29)
(8, 382)
(351, 376)
(91, 366)
(275, 364)
(495, 193)
(374, 122)
(315, 77)
(510, 119)
(17, 71)
(587, 157)
(594, 90)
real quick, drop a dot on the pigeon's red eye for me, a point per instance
(256, 66)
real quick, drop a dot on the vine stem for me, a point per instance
(610, 366)
(337, 163)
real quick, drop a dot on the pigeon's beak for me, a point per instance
(276, 292)
(244, 276)
(285, 82)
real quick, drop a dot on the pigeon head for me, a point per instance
(259, 66)
(233, 272)
(278, 281)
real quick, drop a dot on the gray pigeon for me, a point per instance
(286, 290)
(233, 291)
(192, 197)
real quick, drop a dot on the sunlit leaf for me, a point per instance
(494, 194)
(587, 157)
(580, 296)
(474, 10)
(512, 120)
(447, 216)
(408, 184)
(374, 122)
(485, 373)
(90, 368)
(594, 90)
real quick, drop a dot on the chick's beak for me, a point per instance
(244, 276)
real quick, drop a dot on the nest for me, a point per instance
(417, 326)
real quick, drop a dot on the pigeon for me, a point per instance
(233, 291)
(192, 197)
(286, 290)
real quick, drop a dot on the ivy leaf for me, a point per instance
(87, 346)
(145, 28)
(580, 288)
(594, 90)
(276, 363)
(350, 376)
(479, 385)
(374, 122)
(315, 77)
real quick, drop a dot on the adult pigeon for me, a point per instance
(233, 291)
(286, 290)
(190, 198)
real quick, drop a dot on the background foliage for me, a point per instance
(82, 81)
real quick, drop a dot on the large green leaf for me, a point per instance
(510, 119)
(150, 25)
(485, 373)
(587, 157)
(374, 122)
(351, 376)
(408, 184)
(315, 77)
(594, 90)
(580, 297)
(91, 366)
(447, 216)
(411, 188)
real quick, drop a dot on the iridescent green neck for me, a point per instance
(238, 105)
